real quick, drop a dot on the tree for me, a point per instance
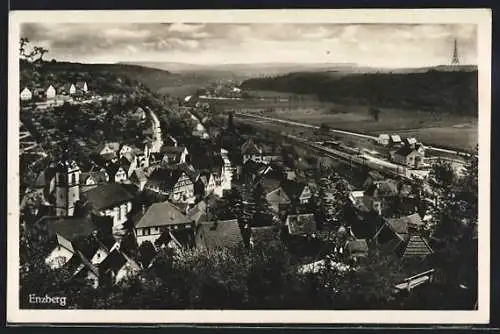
(228, 207)
(375, 113)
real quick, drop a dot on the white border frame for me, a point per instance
(481, 17)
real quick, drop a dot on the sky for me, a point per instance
(381, 45)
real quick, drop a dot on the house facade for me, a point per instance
(409, 156)
(50, 93)
(111, 200)
(158, 219)
(383, 139)
(26, 94)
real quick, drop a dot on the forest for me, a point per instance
(453, 92)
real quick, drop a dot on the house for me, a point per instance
(176, 185)
(297, 192)
(50, 93)
(253, 171)
(409, 156)
(116, 172)
(173, 155)
(277, 198)
(302, 224)
(383, 139)
(410, 141)
(117, 267)
(393, 234)
(357, 248)
(379, 194)
(208, 181)
(72, 89)
(227, 176)
(26, 94)
(250, 151)
(111, 200)
(91, 179)
(108, 150)
(395, 140)
(63, 231)
(127, 149)
(128, 162)
(214, 235)
(158, 218)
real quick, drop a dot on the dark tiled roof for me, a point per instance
(106, 196)
(69, 227)
(417, 246)
(220, 234)
(113, 262)
(301, 224)
(165, 178)
(405, 150)
(162, 214)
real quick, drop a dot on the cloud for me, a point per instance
(183, 27)
(195, 42)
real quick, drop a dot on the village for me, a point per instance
(108, 209)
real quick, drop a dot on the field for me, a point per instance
(441, 130)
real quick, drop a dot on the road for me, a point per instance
(355, 134)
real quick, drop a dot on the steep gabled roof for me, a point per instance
(162, 214)
(278, 196)
(301, 224)
(63, 242)
(417, 246)
(218, 234)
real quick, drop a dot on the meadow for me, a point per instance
(437, 129)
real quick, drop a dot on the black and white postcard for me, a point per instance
(249, 166)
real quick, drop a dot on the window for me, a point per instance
(147, 231)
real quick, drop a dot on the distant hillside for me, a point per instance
(442, 89)
(242, 71)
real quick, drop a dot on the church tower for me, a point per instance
(67, 187)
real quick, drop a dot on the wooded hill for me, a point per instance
(103, 78)
(433, 90)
